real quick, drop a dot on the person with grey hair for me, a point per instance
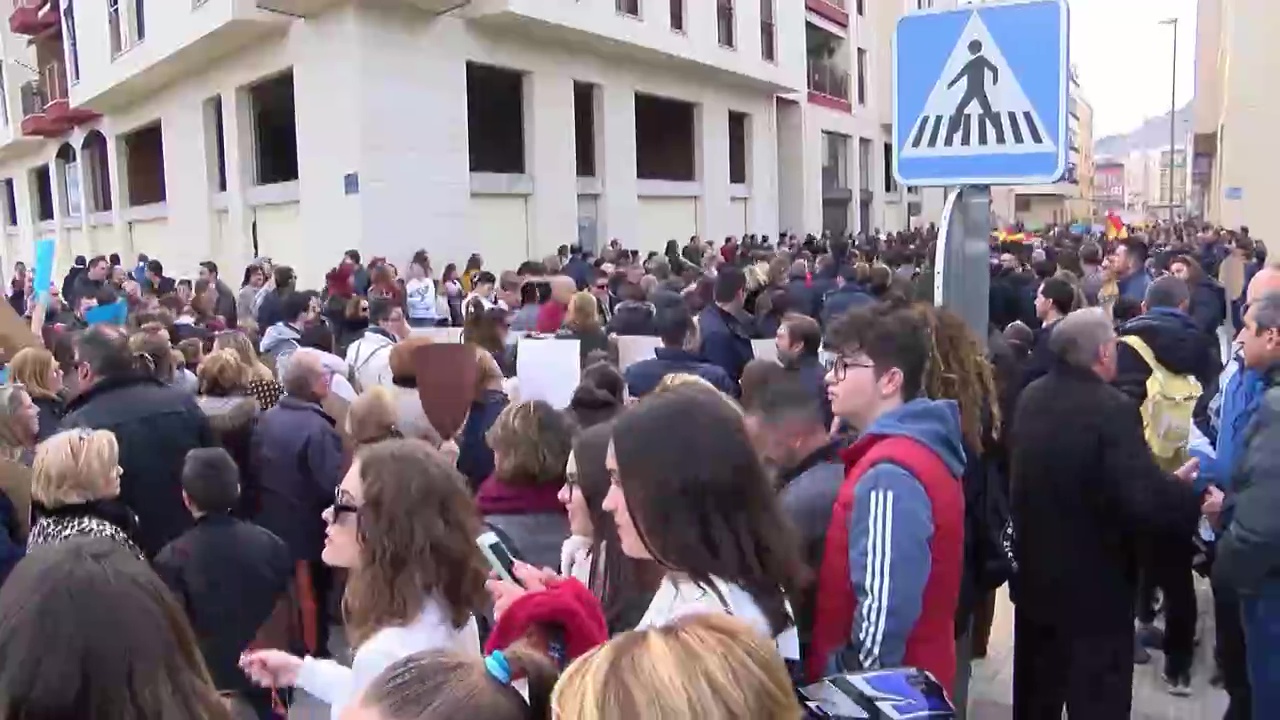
(1084, 486)
(1247, 559)
(298, 460)
(1165, 341)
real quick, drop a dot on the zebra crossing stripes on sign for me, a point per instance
(980, 94)
(977, 105)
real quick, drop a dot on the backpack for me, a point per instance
(354, 368)
(1167, 411)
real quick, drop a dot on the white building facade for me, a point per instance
(224, 129)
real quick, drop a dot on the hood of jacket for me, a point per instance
(277, 336)
(935, 423)
(1173, 337)
(636, 307)
(330, 362)
(226, 413)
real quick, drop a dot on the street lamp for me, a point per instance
(1173, 110)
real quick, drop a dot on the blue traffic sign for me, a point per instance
(980, 95)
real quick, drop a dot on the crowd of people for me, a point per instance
(236, 494)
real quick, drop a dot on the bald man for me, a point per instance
(1240, 391)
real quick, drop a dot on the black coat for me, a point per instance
(155, 425)
(50, 411)
(297, 458)
(1084, 488)
(228, 575)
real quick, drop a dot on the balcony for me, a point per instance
(53, 81)
(829, 86)
(35, 116)
(833, 11)
(33, 17)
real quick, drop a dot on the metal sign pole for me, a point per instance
(961, 272)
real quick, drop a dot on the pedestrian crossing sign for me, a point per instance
(980, 95)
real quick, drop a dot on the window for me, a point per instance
(69, 35)
(69, 180)
(628, 7)
(890, 183)
(861, 7)
(216, 151)
(144, 165)
(495, 119)
(677, 15)
(835, 161)
(10, 203)
(118, 40)
(97, 175)
(862, 76)
(737, 148)
(126, 20)
(4, 101)
(1022, 203)
(584, 128)
(864, 165)
(275, 132)
(42, 184)
(665, 139)
(725, 23)
(768, 39)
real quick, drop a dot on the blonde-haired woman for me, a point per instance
(75, 490)
(262, 382)
(372, 417)
(19, 426)
(582, 323)
(36, 369)
(223, 397)
(707, 666)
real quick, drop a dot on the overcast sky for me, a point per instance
(1125, 92)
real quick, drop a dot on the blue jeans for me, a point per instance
(1260, 615)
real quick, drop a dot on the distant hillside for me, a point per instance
(1153, 133)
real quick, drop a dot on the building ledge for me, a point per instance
(668, 188)
(828, 11)
(501, 183)
(828, 101)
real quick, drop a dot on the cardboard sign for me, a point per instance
(634, 348)
(548, 370)
(446, 376)
(42, 268)
(766, 349)
(15, 332)
(443, 335)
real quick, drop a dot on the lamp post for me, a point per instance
(1173, 110)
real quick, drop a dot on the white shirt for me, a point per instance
(420, 299)
(678, 596)
(487, 302)
(338, 685)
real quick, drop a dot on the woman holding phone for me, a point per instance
(688, 493)
(404, 525)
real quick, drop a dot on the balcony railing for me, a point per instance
(32, 98)
(53, 81)
(829, 80)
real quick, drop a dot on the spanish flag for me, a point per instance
(1115, 227)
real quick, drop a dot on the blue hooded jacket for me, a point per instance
(1236, 404)
(890, 529)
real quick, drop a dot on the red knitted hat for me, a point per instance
(568, 605)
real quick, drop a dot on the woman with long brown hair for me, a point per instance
(582, 323)
(404, 525)
(959, 370)
(101, 638)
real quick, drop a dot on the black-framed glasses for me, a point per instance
(341, 506)
(840, 369)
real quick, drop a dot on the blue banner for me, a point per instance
(42, 268)
(113, 314)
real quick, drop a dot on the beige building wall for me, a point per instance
(1236, 112)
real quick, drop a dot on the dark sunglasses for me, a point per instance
(340, 507)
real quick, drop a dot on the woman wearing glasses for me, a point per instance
(404, 525)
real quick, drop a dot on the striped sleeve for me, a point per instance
(889, 564)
